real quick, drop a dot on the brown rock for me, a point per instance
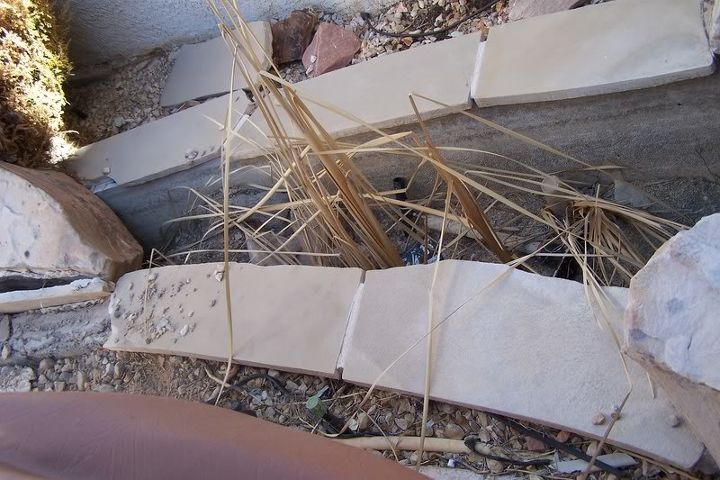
(520, 9)
(563, 436)
(53, 227)
(292, 36)
(332, 47)
(454, 431)
(534, 445)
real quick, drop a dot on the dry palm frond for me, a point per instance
(326, 187)
(339, 219)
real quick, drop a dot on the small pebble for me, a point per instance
(598, 419)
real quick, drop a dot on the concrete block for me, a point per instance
(159, 148)
(204, 69)
(520, 9)
(513, 343)
(672, 325)
(285, 317)
(597, 49)
(377, 91)
(75, 292)
(54, 228)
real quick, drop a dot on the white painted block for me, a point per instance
(286, 317)
(204, 69)
(376, 91)
(514, 343)
(158, 148)
(610, 47)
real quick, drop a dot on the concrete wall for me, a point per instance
(105, 29)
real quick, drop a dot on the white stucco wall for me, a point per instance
(107, 29)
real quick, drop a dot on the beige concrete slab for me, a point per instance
(525, 346)
(204, 69)
(158, 148)
(286, 317)
(610, 47)
(376, 91)
(75, 292)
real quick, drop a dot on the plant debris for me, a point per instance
(33, 67)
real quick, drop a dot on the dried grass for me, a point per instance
(33, 67)
(340, 219)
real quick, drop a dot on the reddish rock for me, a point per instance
(332, 47)
(292, 36)
(534, 445)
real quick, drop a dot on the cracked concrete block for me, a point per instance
(285, 317)
(376, 92)
(60, 332)
(597, 49)
(157, 149)
(53, 228)
(513, 343)
(672, 327)
(204, 69)
(75, 292)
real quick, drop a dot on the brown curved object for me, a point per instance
(116, 436)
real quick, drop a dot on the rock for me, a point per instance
(454, 431)
(402, 424)
(292, 36)
(495, 466)
(16, 379)
(563, 436)
(4, 328)
(534, 445)
(81, 381)
(46, 364)
(5, 353)
(519, 9)
(672, 328)
(59, 386)
(363, 421)
(333, 47)
(598, 419)
(58, 229)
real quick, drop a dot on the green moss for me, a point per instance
(33, 67)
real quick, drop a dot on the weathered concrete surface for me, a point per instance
(286, 317)
(520, 9)
(672, 327)
(58, 333)
(204, 69)
(509, 342)
(604, 48)
(655, 134)
(52, 227)
(75, 292)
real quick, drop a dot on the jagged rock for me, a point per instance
(291, 36)
(54, 228)
(332, 47)
(673, 329)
